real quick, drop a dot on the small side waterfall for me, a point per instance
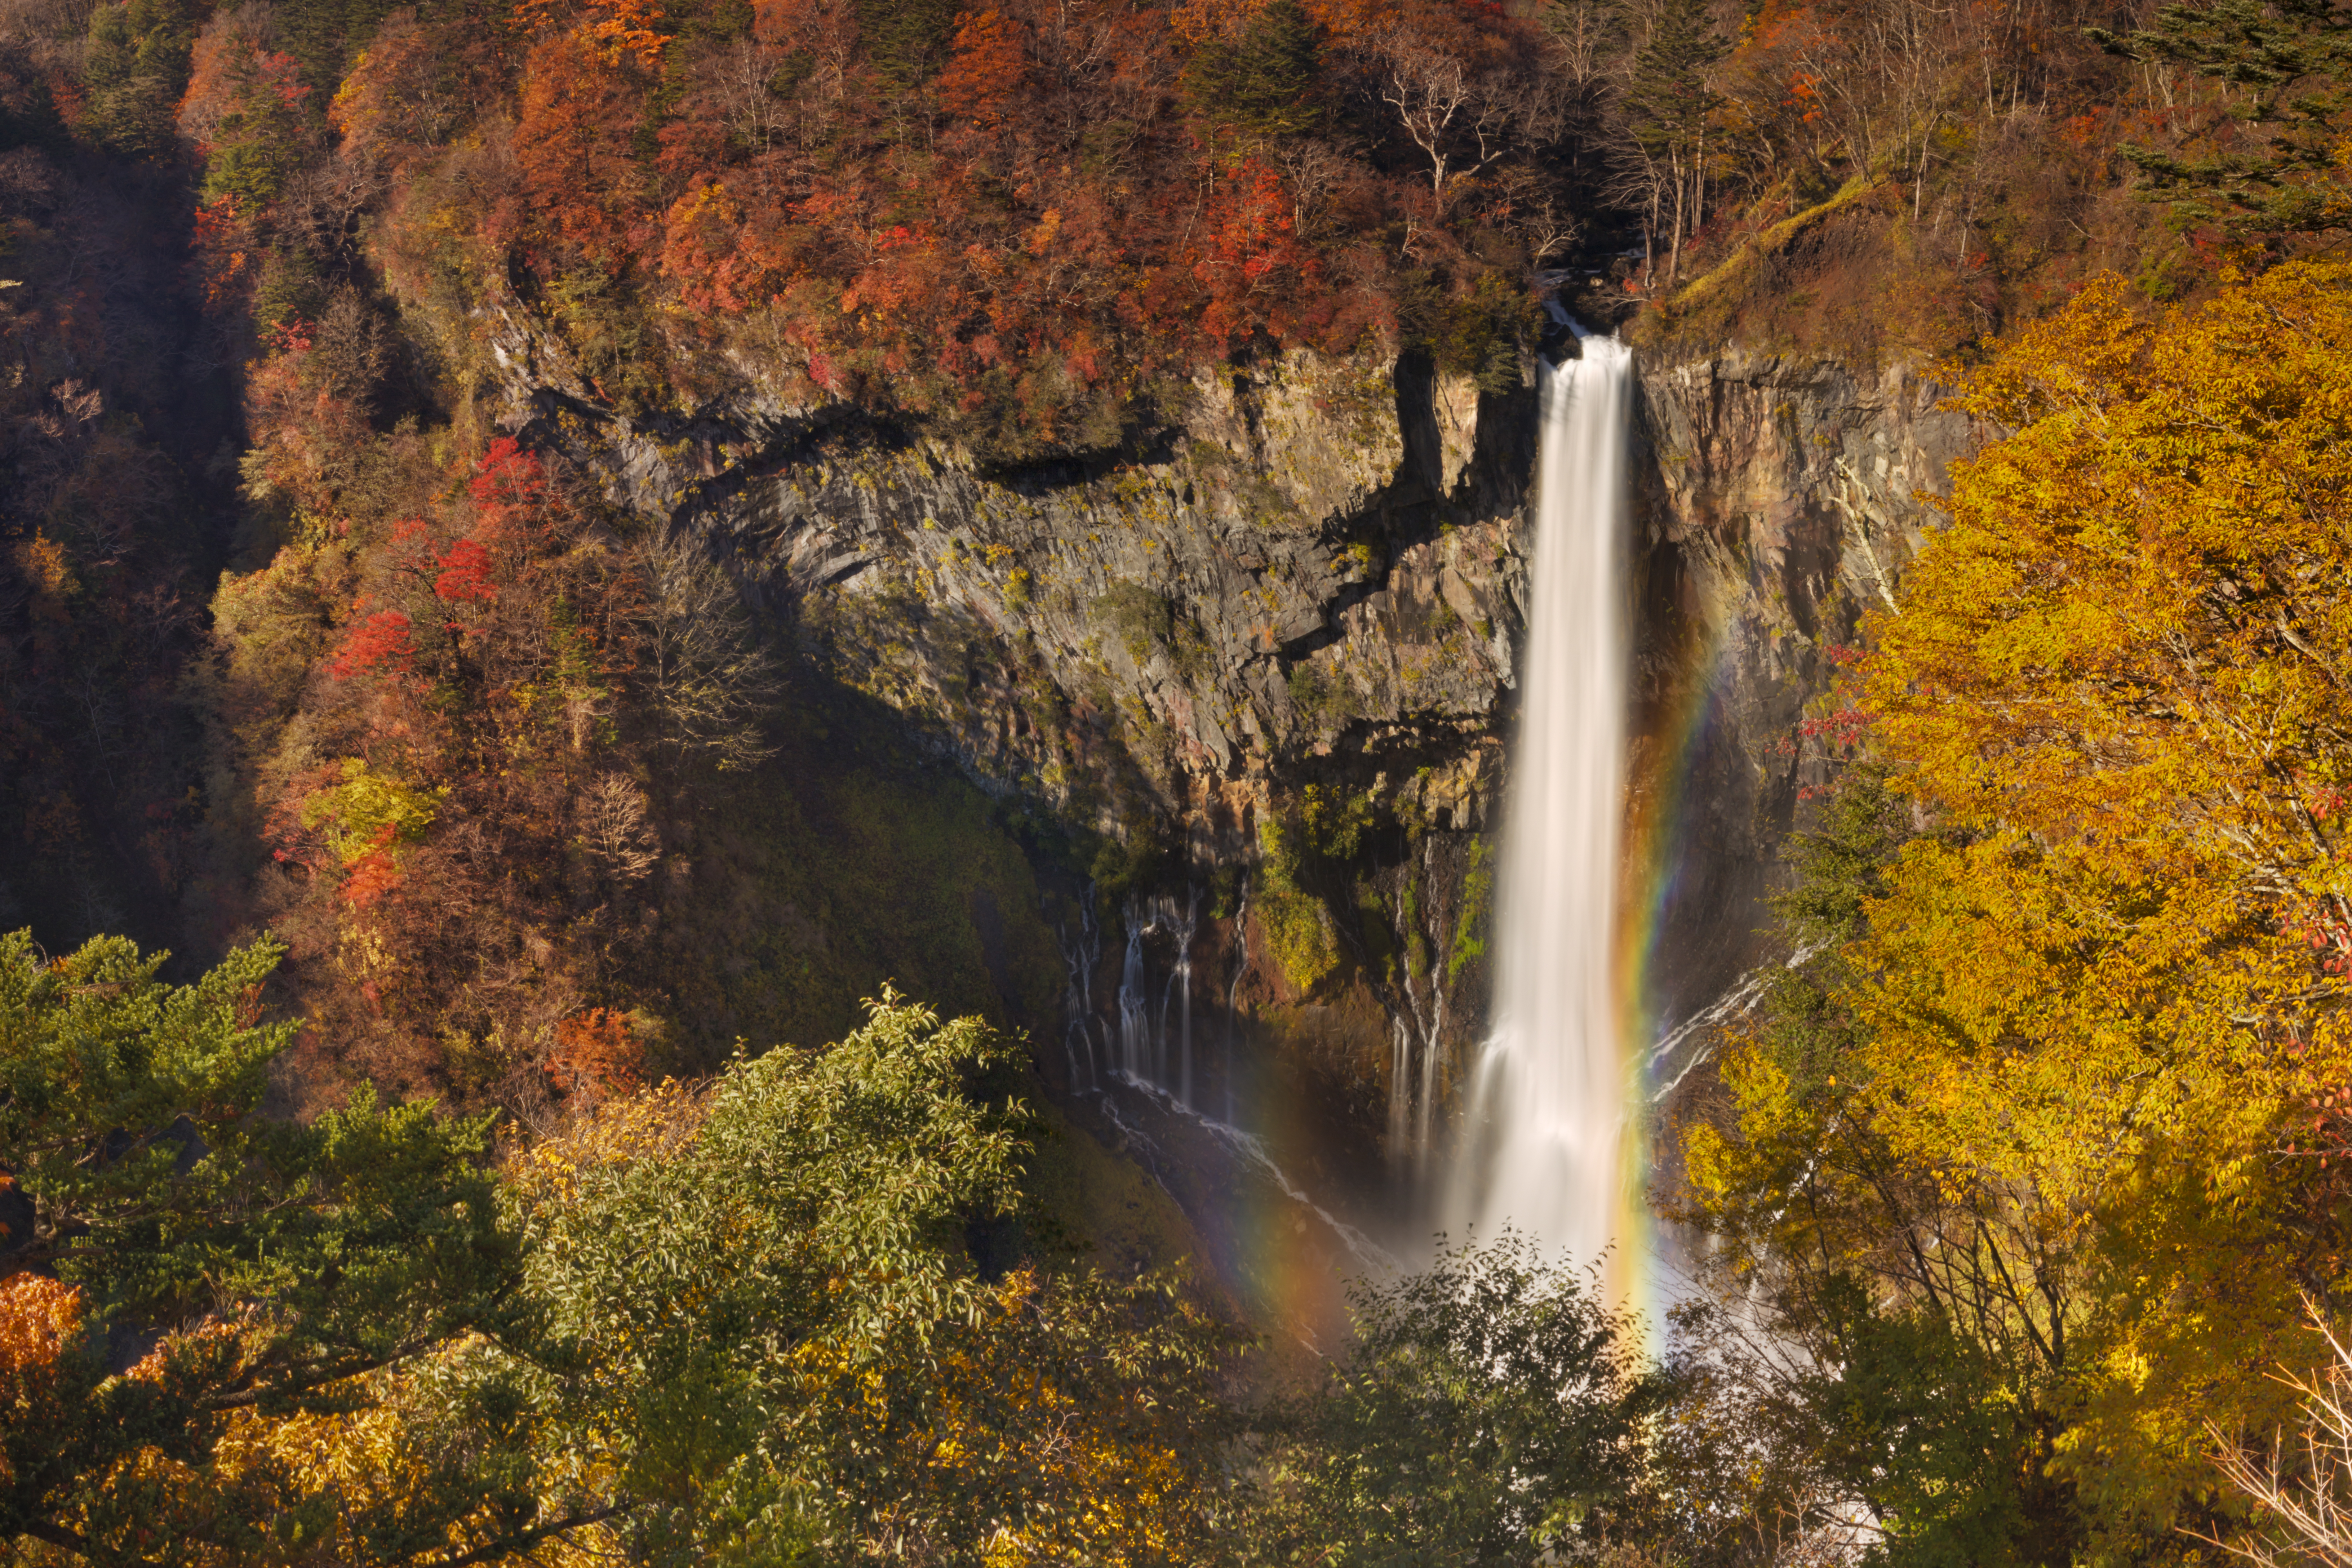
(1417, 1028)
(1149, 1050)
(1135, 1046)
(1179, 985)
(1233, 996)
(1080, 954)
(1543, 1147)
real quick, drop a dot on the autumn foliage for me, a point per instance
(303, 628)
(580, 103)
(2061, 1093)
(40, 1321)
(595, 1054)
(1009, 220)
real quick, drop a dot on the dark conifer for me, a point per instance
(908, 40)
(136, 67)
(1668, 101)
(1265, 80)
(2287, 66)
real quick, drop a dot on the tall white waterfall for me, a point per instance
(1543, 1147)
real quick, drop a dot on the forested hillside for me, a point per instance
(476, 1182)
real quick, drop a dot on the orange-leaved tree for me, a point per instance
(459, 824)
(584, 97)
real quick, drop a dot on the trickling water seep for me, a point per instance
(1253, 1152)
(1689, 1045)
(1154, 1042)
(1544, 1132)
(1417, 1053)
(1154, 1050)
(1149, 1050)
(1134, 1019)
(1081, 955)
(1234, 993)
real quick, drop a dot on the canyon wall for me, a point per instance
(1314, 573)
(1268, 656)
(1778, 502)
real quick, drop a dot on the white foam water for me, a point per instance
(1543, 1141)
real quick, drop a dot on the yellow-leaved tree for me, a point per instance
(2029, 1154)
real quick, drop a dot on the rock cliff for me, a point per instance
(1315, 570)
(1777, 504)
(1269, 654)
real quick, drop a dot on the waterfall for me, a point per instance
(1135, 1042)
(1233, 992)
(1151, 1052)
(1080, 956)
(1179, 982)
(1543, 1147)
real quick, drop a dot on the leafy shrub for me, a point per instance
(1477, 906)
(1489, 1411)
(1298, 927)
(1326, 701)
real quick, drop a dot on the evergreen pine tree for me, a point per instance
(1265, 80)
(907, 40)
(2287, 66)
(1668, 101)
(326, 36)
(1667, 105)
(136, 67)
(147, 1202)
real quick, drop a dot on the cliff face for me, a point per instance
(1315, 574)
(1287, 625)
(1777, 504)
(1271, 658)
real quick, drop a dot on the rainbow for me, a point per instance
(1662, 845)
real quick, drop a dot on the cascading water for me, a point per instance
(1417, 1034)
(1135, 1046)
(1149, 1050)
(1543, 1147)
(1233, 998)
(1080, 956)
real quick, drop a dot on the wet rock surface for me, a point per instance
(1777, 504)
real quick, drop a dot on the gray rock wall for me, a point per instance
(1317, 575)
(1318, 578)
(1778, 504)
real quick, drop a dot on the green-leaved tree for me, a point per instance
(1491, 1410)
(176, 1262)
(1265, 79)
(2275, 163)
